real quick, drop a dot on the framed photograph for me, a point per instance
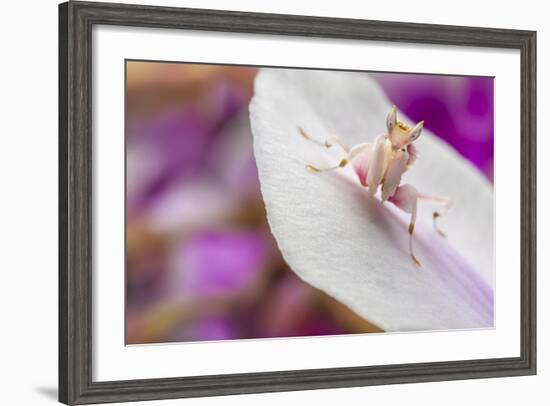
(257, 202)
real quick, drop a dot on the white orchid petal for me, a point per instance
(342, 241)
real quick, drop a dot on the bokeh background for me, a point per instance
(201, 261)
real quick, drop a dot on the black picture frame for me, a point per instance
(76, 20)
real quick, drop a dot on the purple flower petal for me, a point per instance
(457, 109)
(218, 263)
(174, 144)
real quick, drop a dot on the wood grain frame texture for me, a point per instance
(76, 20)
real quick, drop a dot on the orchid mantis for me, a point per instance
(381, 164)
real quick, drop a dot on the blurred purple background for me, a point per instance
(201, 262)
(458, 109)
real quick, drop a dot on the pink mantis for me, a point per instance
(382, 163)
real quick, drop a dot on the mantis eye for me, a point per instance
(391, 120)
(416, 131)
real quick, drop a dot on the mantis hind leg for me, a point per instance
(350, 153)
(406, 198)
(328, 143)
(445, 205)
(315, 169)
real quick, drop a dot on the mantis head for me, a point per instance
(399, 133)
